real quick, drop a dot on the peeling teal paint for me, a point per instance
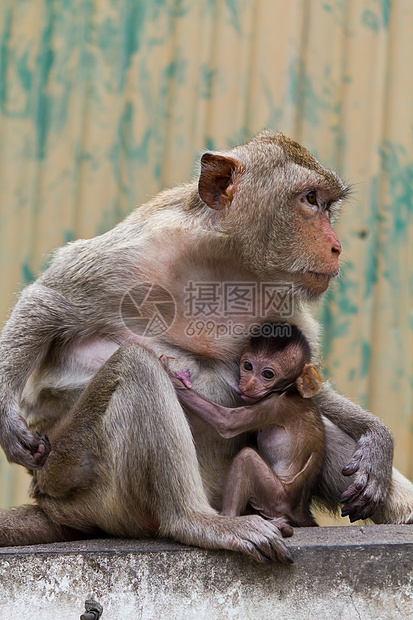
(234, 8)
(44, 65)
(400, 177)
(336, 322)
(209, 143)
(311, 102)
(4, 55)
(133, 26)
(372, 241)
(27, 273)
(175, 72)
(207, 80)
(326, 319)
(274, 114)
(370, 20)
(375, 20)
(365, 359)
(139, 151)
(351, 375)
(385, 11)
(68, 236)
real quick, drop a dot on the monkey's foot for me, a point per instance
(23, 448)
(258, 539)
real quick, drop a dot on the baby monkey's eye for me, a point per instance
(247, 366)
(268, 374)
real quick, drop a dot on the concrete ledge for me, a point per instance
(339, 572)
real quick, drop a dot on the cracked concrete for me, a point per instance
(355, 573)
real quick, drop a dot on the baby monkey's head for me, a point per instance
(273, 363)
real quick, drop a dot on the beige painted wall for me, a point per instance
(104, 102)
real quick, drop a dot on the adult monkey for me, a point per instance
(123, 459)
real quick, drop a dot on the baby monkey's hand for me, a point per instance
(180, 378)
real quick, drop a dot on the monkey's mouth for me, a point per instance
(319, 281)
(323, 275)
(249, 399)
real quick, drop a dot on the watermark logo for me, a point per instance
(232, 299)
(212, 309)
(148, 310)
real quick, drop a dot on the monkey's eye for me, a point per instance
(268, 374)
(327, 209)
(312, 198)
(247, 366)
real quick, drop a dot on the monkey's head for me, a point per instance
(277, 204)
(275, 363)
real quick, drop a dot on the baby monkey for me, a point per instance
(276, 382)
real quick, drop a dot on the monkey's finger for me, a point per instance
(349, 470)
(365, 505)
(359, 510)
(263, 541)
(265, 552)
(354, 489)
(354, 465)
(23, 448)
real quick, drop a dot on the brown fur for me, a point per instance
(144, 460)
(293, 449)
(279, 478)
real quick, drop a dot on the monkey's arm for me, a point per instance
(40, 316)
(230, 422)
(372, 460)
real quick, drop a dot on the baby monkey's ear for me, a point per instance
(309, 382)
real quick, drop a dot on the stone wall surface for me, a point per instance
(356, 573)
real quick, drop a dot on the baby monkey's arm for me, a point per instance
(229, 422)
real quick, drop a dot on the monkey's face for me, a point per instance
(277, 205)
(293, 240)
(260, 373)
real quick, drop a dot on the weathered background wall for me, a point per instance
(105, 102)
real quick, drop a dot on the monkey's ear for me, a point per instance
(309, 382)
(216, 182)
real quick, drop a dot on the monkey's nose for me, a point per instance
(249, 384)
(336, 247)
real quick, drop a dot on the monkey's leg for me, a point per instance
(250, 480)
(150, 479)
(29, 525)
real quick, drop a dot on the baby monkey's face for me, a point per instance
(260, 372)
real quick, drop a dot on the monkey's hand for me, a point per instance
(23, 448)
(179, 379)
(371, 463)
(372, 474)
